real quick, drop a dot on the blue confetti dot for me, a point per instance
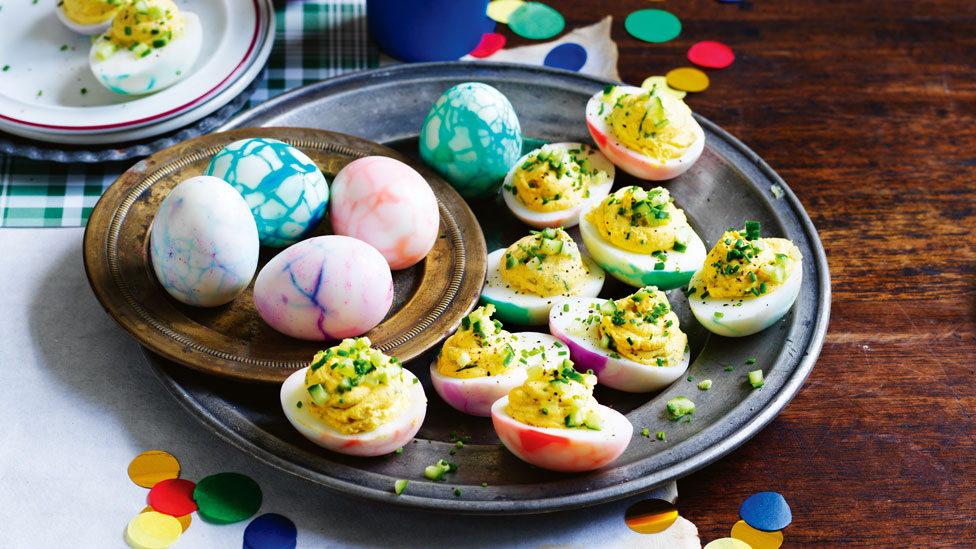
(569, 56)
(767, 511)
(271, 531)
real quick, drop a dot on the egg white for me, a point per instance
(90, 30)
(380, 441)
(126, 73)
(559, 218)
(519, 307)
(475, 395)
(565, 450)
(638, 270)
(742, 316)
(631, 161)
(568, 323)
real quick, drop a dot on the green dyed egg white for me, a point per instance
(471, 137)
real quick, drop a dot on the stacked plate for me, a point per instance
(47, 92)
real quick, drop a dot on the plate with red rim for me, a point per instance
(48, 93)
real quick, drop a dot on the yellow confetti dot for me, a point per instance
(662, 84)
(651, 516)
(153, 466)
(499, 10)
(757, 539)
(688, 79)
(152, 530)
(184, 520)
(727, 543)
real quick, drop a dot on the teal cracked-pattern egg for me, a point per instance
(286, 191)
(471, 137)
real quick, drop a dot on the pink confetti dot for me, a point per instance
(490, 43)
(714, 55)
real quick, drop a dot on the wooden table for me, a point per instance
(868, 111)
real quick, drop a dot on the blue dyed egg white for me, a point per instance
(204, 243)
(471, 136)
(287, 192)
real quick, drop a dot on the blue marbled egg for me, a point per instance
(204, 242)
(286, 191)
(471, 137)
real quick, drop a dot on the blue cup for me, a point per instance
(428, 30)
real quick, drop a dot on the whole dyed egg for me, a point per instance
(386, 203)
(471, 137)
(204, 242)
(325, 288)
(286, 191)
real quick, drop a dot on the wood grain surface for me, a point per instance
(868, 111)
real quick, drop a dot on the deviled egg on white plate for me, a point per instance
(747, 283)
(650, 134)
(632, 344)
(88, 16)
(551, 185)
(150, 45)
(642, 239)
(538, 270)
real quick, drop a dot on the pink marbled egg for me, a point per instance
(388, 204)
(325, 288)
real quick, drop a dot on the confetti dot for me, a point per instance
(153, 530)
(173, 497)
(662, 84)
(536, 21)
(651, 516)
(569, 56)
(653, 25)
(757, 539)
(184, 520)
(490, 43)
(500, 10)
(766, 511)
(271, 531)
(227, 497)
(150, 467)
(727, 543)
(687, 79)
(714, 55)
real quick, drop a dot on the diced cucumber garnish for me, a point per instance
(593, 421)
(105, 49)
(574, 419)
(399, 486)
(756, 379)
(552, 247)
(680, 406)
(433, 472)
(318, 394)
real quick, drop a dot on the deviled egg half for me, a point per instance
(355, 400)
(650, 134)
(551, 185)
(527, 278)
(150, 45)
(481, 362)
(632, 344)
(552, 421)
(641, 238)
(88, 16)
(747, 282)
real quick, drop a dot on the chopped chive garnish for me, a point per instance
(750, 361)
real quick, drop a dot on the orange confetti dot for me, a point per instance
(757, 539)
(153, 466)
(651, 516)
(688, 79)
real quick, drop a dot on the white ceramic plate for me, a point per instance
(40, 92)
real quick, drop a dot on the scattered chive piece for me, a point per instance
(690, 378)
(645, 432)
(460, 444)
(756, 379)
(719, 314)
(484, 484)
(6, 68)
(452, 452)
(728, 368)
(457, 492)
(399, 451)
(399, 486)
(660, 435)
(750, 361)
(705, 385)
(298, 404)
(84, 91)
(40, 93)
(64, 47)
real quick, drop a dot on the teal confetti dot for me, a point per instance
(536, 21)
(653, 25)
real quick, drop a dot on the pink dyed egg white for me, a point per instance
(568, 322)
(382, 440)
(475, 395)
(627, 159)
(388, 204)
(566, 450)
(325, 288)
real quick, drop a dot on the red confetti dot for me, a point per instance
(173, 497)
(714, 55)
(490, 43)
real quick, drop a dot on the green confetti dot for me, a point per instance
(536, 21)
(653, 25)
(227, 497)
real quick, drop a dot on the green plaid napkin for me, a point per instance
(314, 40)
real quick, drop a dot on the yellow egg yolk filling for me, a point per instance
(556, 397)
(643, 328)
(479, 348)
(90, 12)
(554, 179)
(545, 263)
(355, 389)
(639, 221)
(654, 123)
(742, 267)
(154, 23)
